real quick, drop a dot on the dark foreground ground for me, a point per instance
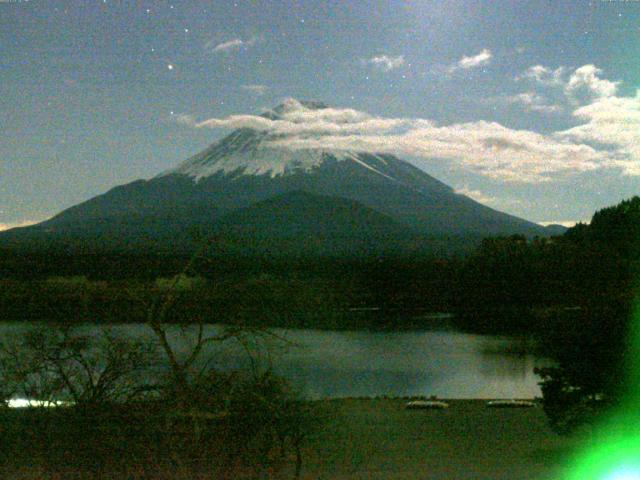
(358, 439)
(370, 439)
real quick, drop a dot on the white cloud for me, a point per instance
(10, 225)
(238, 121)
(586, 79)
(544, 75)
(386, 63)
(564, 223)
(583, 84)
(465, 63)
(229, 45)
(295, 119)
(256, 89)
(609, 122)
(476, 195)
(613, 122)
(534, 102)
(185, 119)
(487, 148)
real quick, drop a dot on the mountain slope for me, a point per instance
(301, 222)
(250, 166)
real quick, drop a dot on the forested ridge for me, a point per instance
(507, 285)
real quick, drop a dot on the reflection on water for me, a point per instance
(26, 402)
(516, 367)
(342, 364)
(446, 364)
(509, 358)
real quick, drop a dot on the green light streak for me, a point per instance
(613, 451)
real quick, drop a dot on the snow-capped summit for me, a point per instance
(249, 152)
(264, 151)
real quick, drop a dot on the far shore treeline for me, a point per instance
(506, 285)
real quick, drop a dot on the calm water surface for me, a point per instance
(342, 364)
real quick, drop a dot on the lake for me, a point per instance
(325, 364)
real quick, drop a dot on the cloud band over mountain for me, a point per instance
(608, 138)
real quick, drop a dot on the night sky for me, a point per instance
(532, 108)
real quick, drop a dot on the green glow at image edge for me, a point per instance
(614, 450)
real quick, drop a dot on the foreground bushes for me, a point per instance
(151, 440)
(590, 376)
(131, 419)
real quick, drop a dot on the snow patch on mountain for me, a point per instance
(247, 151)
(265, 161)
(261, 161)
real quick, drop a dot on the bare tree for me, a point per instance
(183, 371)
(53, 364)
(261, 411)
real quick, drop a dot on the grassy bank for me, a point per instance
(378, 438)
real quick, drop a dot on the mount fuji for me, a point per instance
(259, 195)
